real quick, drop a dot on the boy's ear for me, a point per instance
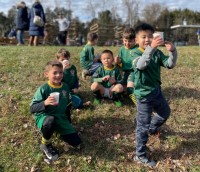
(45, 74)
(136, 40)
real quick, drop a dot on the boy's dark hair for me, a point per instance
(144, 27)
(129, 33)
(107, 51)
(91, 36)
(53, 63)
(62, 52)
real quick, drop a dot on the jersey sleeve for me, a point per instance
(37, 104)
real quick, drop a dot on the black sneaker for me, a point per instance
(49, 151)
(146, 161)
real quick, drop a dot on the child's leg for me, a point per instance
(97, 87)
(143, 118)
(162, 110)
(48, 128)
(116, 90)
(130, 87)
(98, 91)
(72, 139)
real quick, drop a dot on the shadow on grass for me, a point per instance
(1, 168)
(181, 93)
(107, 138)
(185, 144)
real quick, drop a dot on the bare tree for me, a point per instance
(132, 10)
(151, 12)
(91, 7)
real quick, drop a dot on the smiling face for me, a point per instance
(128, 43)
(144, 38)
(107, 60)
(55, 75)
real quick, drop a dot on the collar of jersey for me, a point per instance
(106, 68)
(141, 49)
(54, 86)
(129, 48)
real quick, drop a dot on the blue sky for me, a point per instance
(79, 10)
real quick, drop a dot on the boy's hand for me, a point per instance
(112, 80)
(169, 46)
(106, 78)
(117, 60)
(75, 91)
(50, 101)
(65, 64)
(157, 41)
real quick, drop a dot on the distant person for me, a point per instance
(22, 21)
(147, 87)
(89, 62)
(125, 58)
(52, 116)
(106, 80)
(70, 77)
(36, 31)
(63, 24)
(198, 36)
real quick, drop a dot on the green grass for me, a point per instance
(108, 133)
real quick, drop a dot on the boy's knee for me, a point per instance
(118, 88)
(94, 86)
(49, 121)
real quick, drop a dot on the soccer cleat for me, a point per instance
(50, 152)
(145, 161)
(96, 101)
(118, 103)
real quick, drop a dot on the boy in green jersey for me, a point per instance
(70, 77)
(147, 87)
(106, 81)
(125, 58)
(51, 114)
(89, 62)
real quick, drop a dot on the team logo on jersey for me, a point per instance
(131, 52)
(72, 72)
(64, 93)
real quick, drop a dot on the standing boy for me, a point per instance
(51, 116)
(125, 58)
(107, 80)
(88, 61)
(147, 87)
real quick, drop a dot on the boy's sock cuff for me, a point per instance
(45, 141)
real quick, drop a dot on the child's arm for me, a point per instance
(172, 54)
(40, 106)
(144, 60)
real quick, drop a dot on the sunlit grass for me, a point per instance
(108, 133)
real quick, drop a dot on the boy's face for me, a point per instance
(61, 58)
(94, 42)
(128, 43)
(144, 38)
(55, 75)
(107, 59)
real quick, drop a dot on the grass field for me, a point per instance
(108, 133)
